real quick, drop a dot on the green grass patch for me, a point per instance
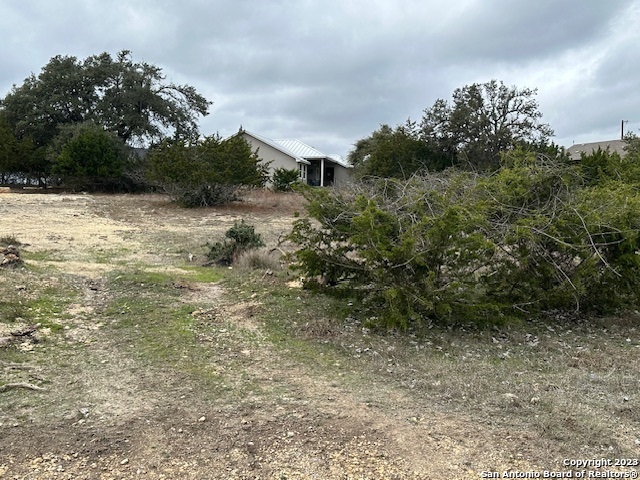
(28, 298)
(50, 255)
(296, 322)
(163, 333)
(202, 274)
(110, 256)
(12, 311)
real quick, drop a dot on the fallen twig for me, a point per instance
(28, 386)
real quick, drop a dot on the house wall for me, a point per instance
(341, 175)
(269, 154)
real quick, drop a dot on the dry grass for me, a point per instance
(265, 200)
(266, 259)
(559, 387)
(574, 385)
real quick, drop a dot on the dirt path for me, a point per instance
(110, 413)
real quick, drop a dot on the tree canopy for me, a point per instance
(397, 153)
(208, 171)
(131, 99)
(18, 156)
(484, 120)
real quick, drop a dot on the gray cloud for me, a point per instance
(330, 72)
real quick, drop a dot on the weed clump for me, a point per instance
(239, 238)
(7, 240)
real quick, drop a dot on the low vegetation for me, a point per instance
(208, 172)
(239, 239)
(283, 179)
(538, 235)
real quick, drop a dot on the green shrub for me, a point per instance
(207, 172)
(283, 179)
(459, 247)
(239, 238)
(86, 156)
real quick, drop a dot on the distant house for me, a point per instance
(316, 168)
(576, 150)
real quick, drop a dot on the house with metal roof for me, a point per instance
(576, 150)
(316, 168)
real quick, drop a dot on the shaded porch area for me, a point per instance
(321, 172)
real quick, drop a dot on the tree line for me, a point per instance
(470, 132)
(78, 123)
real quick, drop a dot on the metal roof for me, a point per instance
(310, 153)
(339, 160)
(300, 151)
(300, 148)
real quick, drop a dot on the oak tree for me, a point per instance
(482, 121)
(131, 99)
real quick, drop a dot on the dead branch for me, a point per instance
(593, 245)
(28, 386)
(279, 250)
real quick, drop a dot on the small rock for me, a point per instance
(512, 398)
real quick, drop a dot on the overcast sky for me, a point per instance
(330, 72)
